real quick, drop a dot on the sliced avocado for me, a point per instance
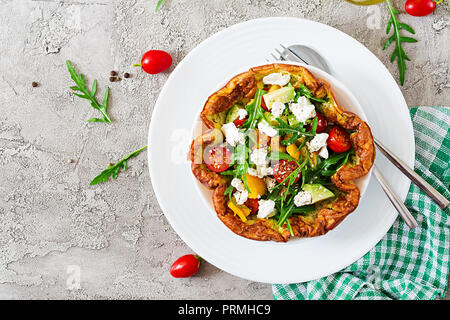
(283, 95)
(218, 119)
(272, 120)
(233, 113)
(318, 192)
(293, 122)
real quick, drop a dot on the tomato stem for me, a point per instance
(437, 2)
(137, 65)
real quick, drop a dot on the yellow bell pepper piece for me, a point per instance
(256, 185)
(274, 87)
(293, 151)
(241, 211)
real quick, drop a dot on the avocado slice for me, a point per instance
(318, 192)
(272, 120)
(233, 113)
(283, 95)
(293, 122)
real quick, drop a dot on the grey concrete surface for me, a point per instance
(50, 218)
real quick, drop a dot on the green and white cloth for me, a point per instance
(405, 264)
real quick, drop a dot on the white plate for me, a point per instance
(221, 57)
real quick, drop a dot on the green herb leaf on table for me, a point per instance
(396, 37)
(87, 94)
(115, 169)
(158, 5)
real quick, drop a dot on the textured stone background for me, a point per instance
(50, 218)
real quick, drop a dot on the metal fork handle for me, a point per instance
(395, 200)
(413, 176)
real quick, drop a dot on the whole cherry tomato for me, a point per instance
(217, 158)
(239, 122)
(155, 61)
(339, 140)
(284, 168)
(321, 124)
(253, 205)
(185, 266)
(420, 8)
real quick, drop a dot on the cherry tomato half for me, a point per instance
(155, 61)
(217, 158)
(321, 124)
(420, 8)
(284, 168)
(185, 266)
(239, 122)
(253, 205)
(339, 140)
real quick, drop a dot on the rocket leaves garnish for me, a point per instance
(115, 169)
(396, 37)
(87, 94)
(302, 90)
(296, 131)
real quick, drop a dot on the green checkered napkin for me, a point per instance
(405, 264)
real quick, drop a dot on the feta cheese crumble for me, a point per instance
(233, 135)
(303, 198)
(266, 209)
(270, 183)
(265, 128)
(323, 153)
(260, 171)
(242, 114)
(277, 78)
(277, 109)
(303, 109)
(318, 142)
(259, 156)
(241, 196)
(238, 184)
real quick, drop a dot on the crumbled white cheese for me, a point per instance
(318, 142)
(260, 171)
(242, 114)
(265, 128)
(303, 198)
(323, 152)
(277, 78)
(270, 183)
(241, 196)
(233, 135)
(266, 209)
(303, 109)
(277, 109)
(238, 184)
(259, 156)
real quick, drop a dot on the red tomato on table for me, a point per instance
(155, 61)
(420, 8)
(185, 266)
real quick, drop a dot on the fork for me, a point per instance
(311, 57)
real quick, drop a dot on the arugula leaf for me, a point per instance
(302, 90)
(396, 37)
(158, 5)
(114, 169)
(87, 94)
(255, 112)
(296, 131)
